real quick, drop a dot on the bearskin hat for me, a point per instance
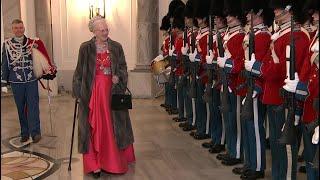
(178, 18)
(202, 8)
(216, 8)
(165, 23)
(233, 8)
(259, 6)
(311, 5)
(174, 4)
(189, 9)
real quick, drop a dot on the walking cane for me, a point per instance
(74, 122)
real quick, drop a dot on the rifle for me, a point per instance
(289, 133)
(172, 60)
(194, 67)
(185, 61)
(208, 92)
(247, 110)
(223, 75)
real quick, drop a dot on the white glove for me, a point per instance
(296, 119)
(209, 58)
(171, 51)
(244, 100)
(315, 136)
(315, 47)
(221, 61)
(248, 64)
(192, 56)
(254, 94)
(291, 85)
(158, 58)
(4, 89)
(184, 50)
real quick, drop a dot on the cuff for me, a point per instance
(302, 91)
(256, 69)
(257, 88)
(228, 65)
(197, 58)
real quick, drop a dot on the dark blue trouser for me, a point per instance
(172, 96)
(233, 126)
(255, 136)
(201, 110)
(309, 152)
(188, 103)
(166, 94)
(181, 96)
(215, 118)
(284, 157)
(27, 95)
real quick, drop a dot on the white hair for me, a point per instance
(93, 20)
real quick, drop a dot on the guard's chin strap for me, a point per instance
(46, 88)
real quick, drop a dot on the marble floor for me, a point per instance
(163, 150)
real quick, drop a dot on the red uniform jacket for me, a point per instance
(273, 68)
(202, 46)
(262, 42)
(310, 77)
(178, 43)
(235, 62)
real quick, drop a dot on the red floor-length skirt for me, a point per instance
(103, 150)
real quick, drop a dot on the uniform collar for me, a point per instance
(203, 30)
(222, 30)
(234, 29)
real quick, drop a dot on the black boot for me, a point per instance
(252, 175)
(231, 161)
(183, 124)
(223, 156)
(240, 170)
(217, 149)
(208, 144)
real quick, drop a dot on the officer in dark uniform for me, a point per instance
(18, 71)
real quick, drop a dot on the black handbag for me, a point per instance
(121, 101)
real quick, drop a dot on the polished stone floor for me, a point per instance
(163, 151)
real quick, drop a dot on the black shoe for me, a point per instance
(253, 175)
(201, 136)
(36, 138)
(217, 149)
(164, 105)
(192, 133)
(223, 156)
(300, 158)
(231, 161)
(181, 119)
(302, 169)
(189, 128)
(183, 124)
(240, 170)
(207, 144)
(175, 118)
(24, 139)
(96, 175)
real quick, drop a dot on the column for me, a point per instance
(141, 79)
(28, 17)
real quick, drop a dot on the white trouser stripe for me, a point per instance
(223, 136)
(238, 128)
(289, 157)
(208, 118)
(193, 111)
(257, 133)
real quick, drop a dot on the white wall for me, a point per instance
(70, 19)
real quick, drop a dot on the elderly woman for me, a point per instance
(105, 136)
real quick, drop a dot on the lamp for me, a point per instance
(97, 8)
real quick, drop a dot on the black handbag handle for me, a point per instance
(126, 88)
